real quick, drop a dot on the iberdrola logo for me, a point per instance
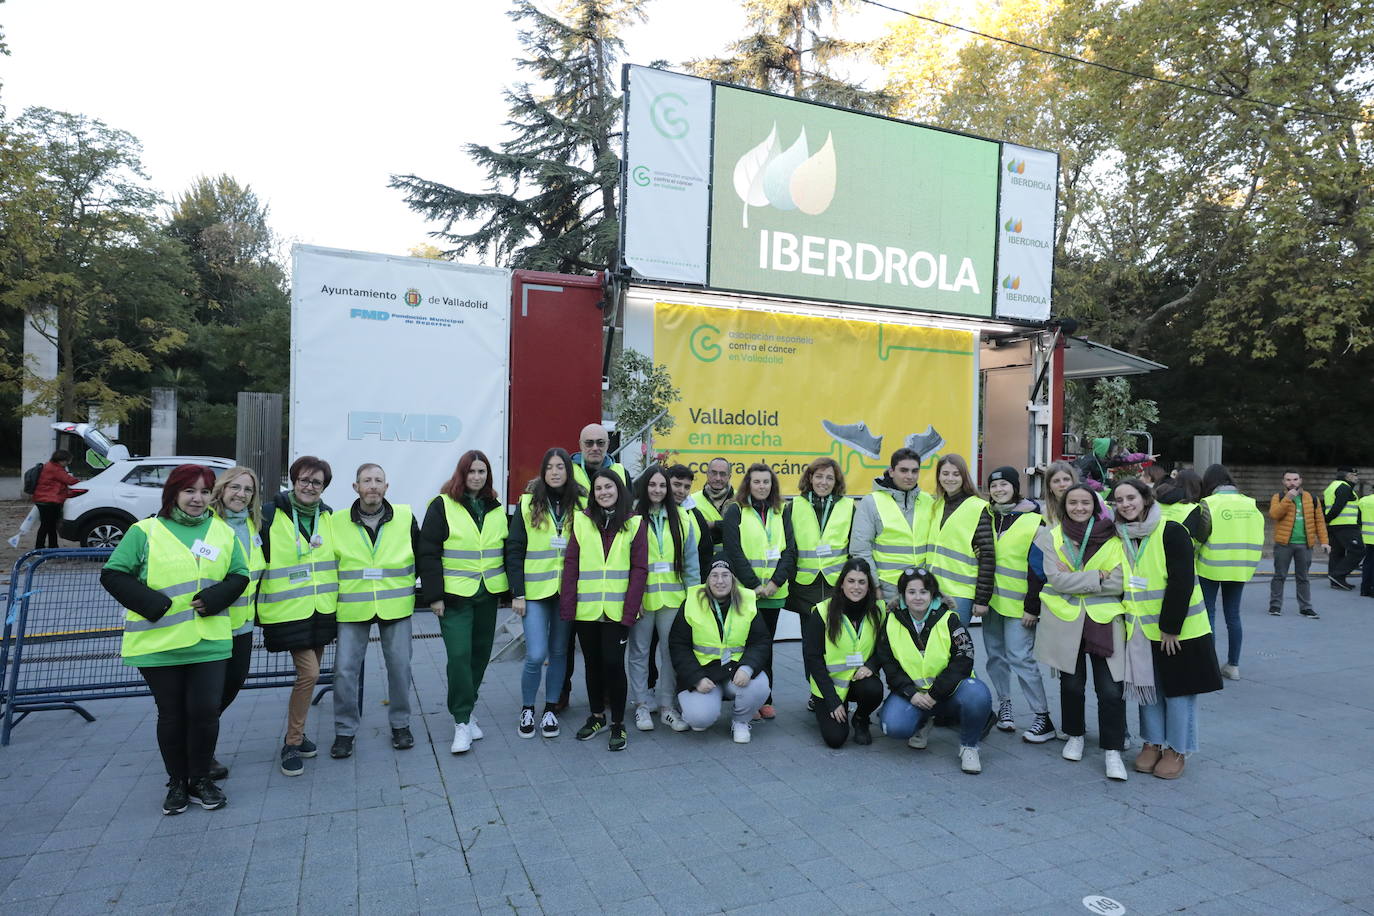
(1010, 282)
(788, 178)
(1016, 167)
(1012, 225)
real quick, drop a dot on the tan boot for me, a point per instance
(1147, 758)
(1170, 765)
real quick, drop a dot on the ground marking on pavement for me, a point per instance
(1095, 903)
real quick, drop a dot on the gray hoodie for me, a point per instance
(867, 522)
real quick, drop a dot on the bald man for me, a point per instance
(594, 441)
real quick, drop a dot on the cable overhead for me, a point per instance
(1141, 76)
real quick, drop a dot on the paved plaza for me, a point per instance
(1274, 815)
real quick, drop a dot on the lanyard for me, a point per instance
(720, 618)
(918, 624)
(556, 516)
(656, 521)
(296, 529)
(825, 513)
(1133, 552)
(367, 541)
(1082, 548)
(852, 630)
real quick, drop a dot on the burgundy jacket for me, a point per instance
(639, 575)
(53, 482)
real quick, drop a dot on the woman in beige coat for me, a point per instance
(1081, 622)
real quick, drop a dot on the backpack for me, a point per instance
(31, 478)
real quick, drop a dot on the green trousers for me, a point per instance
(468, 628)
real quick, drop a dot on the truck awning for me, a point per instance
(1085, 359)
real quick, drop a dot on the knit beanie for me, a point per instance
(1011, 476)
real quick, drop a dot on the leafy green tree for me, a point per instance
(786, 52)
(550, 203)
(642, 392)
(80, 247)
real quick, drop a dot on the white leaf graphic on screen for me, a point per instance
(813, 183)
(777, 175)
(749, 173)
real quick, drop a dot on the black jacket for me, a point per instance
(429, 548)
(983, 547)
(813, 657)
(313, 632)
(1193, 669)
(947, 681)
(739, 565)
(689, 671)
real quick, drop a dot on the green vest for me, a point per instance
(375, 580)
(1349, 514)
(602, 579)
(581, 477)
(1366, 504)
(900, 545)
(821, 552)
(762, 546)
(544, 547)
(471, 554)
(241, 611)
(1101, 608)
(173, 570)
(844, 655)
(706, 507)
(922, 667)
(665, 587)
(301, 580)
(1232, 551)
(950, 554)
(1013, 565)
(1146, 576)
(709, 644)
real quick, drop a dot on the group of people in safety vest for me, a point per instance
(886, 587)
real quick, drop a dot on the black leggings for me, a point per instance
(49, 517)
(865, 694)
(603, 651)
(237, 671)
(188, 698)
(770, 619)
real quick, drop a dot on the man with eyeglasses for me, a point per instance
(586, 463)
(711, 499)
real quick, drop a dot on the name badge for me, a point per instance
(823, 550)
(1139, 582)
(372, 573)
(773, 554)
(558, 541)
(257, 540)
(298, 575)
(660, 567)
(205, 551)
(853, 659)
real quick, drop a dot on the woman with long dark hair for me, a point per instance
(1228, 557)
(177, 574)
(839, 652)
(462, 544)
(674, 566)
(535, 545)
(821, 517)
(962, 548)
(1170, 656)
(1081, 623)
(604, 575)
(762, 551)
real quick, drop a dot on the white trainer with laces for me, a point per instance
(644, 720)
(969, 762)
(1073, 748)
(740, 732)
(462, 738)
(921, 737)
(473, 729)
(672, 719)
(1116, 769)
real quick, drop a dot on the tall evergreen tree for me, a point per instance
(550, 203)
(785, 52)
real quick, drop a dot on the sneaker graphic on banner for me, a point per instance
(856, 436)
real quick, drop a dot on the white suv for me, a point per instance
(101, 509)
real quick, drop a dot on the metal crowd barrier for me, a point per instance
(60, 645)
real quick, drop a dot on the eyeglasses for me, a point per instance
(588, 443)
(312, 484)
(915, 571)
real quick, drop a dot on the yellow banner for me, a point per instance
(785, 389)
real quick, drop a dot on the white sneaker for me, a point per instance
(921, 736)
(462, 738)
(672, 719)
(968, 760)
(740, 732)
(1115, 768)
(644, 720)
(1073, 749)
(1230, 672)
(473, 729)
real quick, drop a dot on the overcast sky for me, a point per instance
(313, 104)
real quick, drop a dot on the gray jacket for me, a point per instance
(867, 522)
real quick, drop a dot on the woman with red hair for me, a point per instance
(462, 544)
(176, 575)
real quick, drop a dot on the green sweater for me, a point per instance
(131, 556)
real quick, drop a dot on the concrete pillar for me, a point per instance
(1206, 451)
(164, 427)
(40, 358)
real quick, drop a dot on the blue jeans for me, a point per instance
(546, 638)
(1170, 721)
(961, 606)
(1230, 609)
(971, 704)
